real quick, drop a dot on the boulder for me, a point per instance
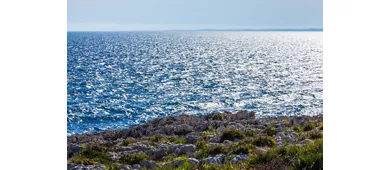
(148, 164)
(213, 160)
(187, 149)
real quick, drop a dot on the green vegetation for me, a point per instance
(177, 140)
(91, 155)
(232, 134)
(133, 159)
(259, 144)
(208, 150)
(185, 166)
(201, 144)
(158, 138)
(210, 131)
(114, 166)
(247, 148)
(315, 135)
(264, 141)
(127, 141)
(251, 132)
(228, 166)
(307, 157)
(270, 131)
(217, 116)
(309, 126)
(297, 129)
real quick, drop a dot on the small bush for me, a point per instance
(114, 166)
(232, 134)
(201, 144)
(228, 166)
(82, 160)
(217, 116)
(208, 150)
(264, 141)
(272, 165)
(270, 131)
(243, 149)
(133, 159)
(251, 132)
(127, 141)
(308, 161)
(262, 157)
(90, 155)
(309, 126)
(158, 138)
(307, 157)
(210, 131)
(177, 140)
(315, 135)
(297, 129)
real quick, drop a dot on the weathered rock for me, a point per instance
(125, 167)
(136, 167)
(193, 161)
(227, 142)
(304, 142)
(157, 153)
(113, 155)
(187, 149)
(73, 149)
(191, 139)
(148, 164)
(182, 129)
(85, 167)
(213, 139)
(213, 160)
(239, 157)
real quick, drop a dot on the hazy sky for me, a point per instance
(192, 14)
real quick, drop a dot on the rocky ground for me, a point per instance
(214, 141)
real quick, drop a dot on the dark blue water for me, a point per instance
(120, 79)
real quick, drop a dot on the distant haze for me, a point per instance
(126, 15)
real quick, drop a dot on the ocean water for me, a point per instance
(120, 79)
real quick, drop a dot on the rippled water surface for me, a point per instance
(120, 79)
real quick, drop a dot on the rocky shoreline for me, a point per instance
(215, 141)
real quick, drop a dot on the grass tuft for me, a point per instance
(264, 141)
(133, 159)
(270, 131)
(158, 138)
(127, 141)
(232, 134)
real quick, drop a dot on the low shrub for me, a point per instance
(217, 116)
(264, 141)
(232, 134)
(309, 126)
(307, 157)
(177, 140)
(243, 149)
(251, 133)
(297, 129)
(90, 155)
(270, 130)
(127, 141)
(315, 135)
(158, 138)
(132, 159)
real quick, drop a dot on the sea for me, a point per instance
(120, 79)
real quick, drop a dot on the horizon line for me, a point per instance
(209, 29)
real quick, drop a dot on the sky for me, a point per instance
(127, 15)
